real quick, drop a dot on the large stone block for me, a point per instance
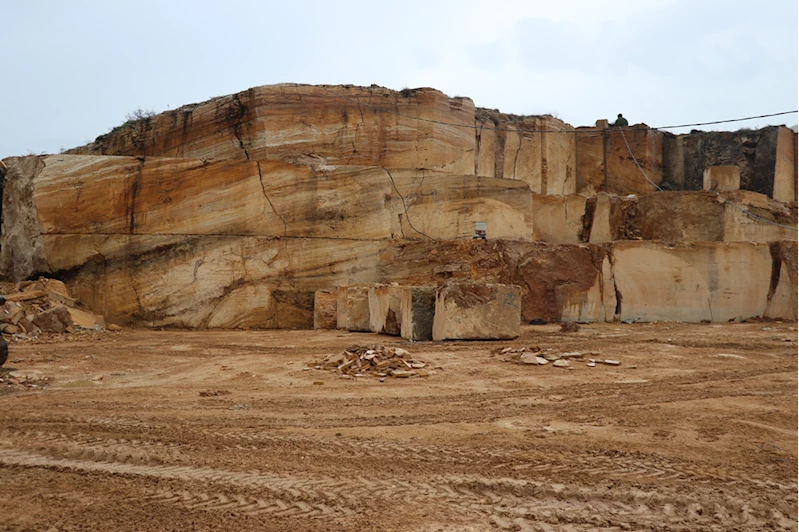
(597, 303)
(590, 146)
(446, 207)
(625, 146)
(558, 219)
(782, 297)
(539, 150)
(712, 281)
(325, 304)
(477, 311)
(122, 195)
(675, 217)
(418, 307)
(721, 178)
(385, 309)
(353, 308)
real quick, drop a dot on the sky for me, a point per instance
(73, 70)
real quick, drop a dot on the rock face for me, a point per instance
(235, 212)
(606, 159)
(341, 125)
(540, 150)
(754, 152)
(658, 283)
(704, 216)
(559, 219)
(477, 311)
(418, 307)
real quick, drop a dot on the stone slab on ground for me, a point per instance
(352, 308)
(418, 308)
(477, 311)
(385, 314)
(324, 309)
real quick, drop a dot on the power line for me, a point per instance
(636, 162)
(727, 121)
(521, 129)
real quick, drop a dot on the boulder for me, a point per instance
(477, 311)
(85, 320)
(418, 308)
(55, 320)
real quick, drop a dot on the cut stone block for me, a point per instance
(598, 303)
(385, 315)
(352, 308)
(722, 178)
(601, 230)
(622, 175)
(703, 217)
(325, 303)
(558, 219)
(715, 281)
(418, 308)
(477, 311)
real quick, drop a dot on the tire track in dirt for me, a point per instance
(501, 500)
(620, 466)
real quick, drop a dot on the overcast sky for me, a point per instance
(72, 70)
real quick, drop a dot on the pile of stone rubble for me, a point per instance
(42, 306)
(23, 379)
(536, 356)
(377, 360)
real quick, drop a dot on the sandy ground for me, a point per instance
(696, 430)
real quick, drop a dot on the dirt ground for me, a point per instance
(695, 430)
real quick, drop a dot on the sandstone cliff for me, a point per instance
(233, 212)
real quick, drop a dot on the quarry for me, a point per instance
(321, 307)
